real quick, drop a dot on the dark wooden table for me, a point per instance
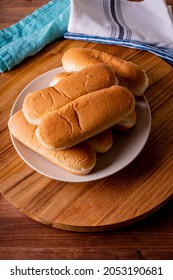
(24, 238)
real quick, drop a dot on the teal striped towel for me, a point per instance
(32, 33)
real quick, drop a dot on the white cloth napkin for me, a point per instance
(147, 21)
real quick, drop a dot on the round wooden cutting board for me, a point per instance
(115, 201)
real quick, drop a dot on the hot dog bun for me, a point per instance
(79, 159)
(129, 74)
(37, 104)
(59, 76)
(85, 117)
(102, 142)
(127, 122)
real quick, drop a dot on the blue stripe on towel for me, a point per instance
(126, 28)
(109, 18)
(164, 53)
(115, 18)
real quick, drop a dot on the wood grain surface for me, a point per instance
(149, 239)
(115, 201)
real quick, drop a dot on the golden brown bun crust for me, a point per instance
(37, 104)
(128, 73)
(102, 142)
(79, 159)
(58, 77)
(127, 123)
(85, 117)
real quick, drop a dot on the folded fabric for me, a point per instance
(32, 33)
(145, 25)
(120, 22)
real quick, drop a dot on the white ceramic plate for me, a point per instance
(126, 148)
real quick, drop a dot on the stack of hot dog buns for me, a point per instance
(128, 74)
(72, 120)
